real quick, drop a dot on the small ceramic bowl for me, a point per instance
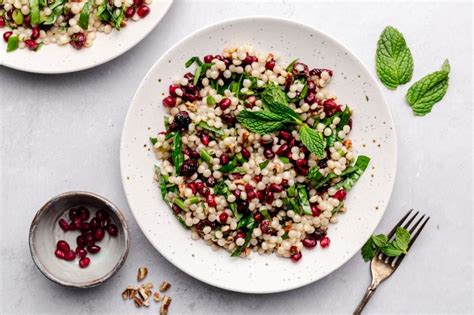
(45, 232)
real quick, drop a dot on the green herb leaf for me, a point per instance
(34, 12)
(429, 90)
(162, 181)
(56, 8)
(153, 140)
(275, 100)
(205, 156)
(393, 62)
(193, 60)
(248, 237)
(356, 172)
(177, 153)
(180, 203)
(289, 68)
(303, 199)
(264, 164)
(338, 208)
(312, 140)
(84, 17)
(201, 70)
(218, 132)
(262, 122)
(314, 175)
(229, 167)
(402, 239)
(12, 43)
(284, 159)
(210, 101)
(368, 251)
(380, 240)
(391, 251)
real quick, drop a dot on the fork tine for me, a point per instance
(411, 220)
(413, 239)
(392, 232)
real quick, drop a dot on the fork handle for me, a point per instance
(368, 294)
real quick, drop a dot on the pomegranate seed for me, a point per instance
(137, 3)
(175, 209)
(10, 14)
(2, 22)
(211, 202)
(257, 178)
(59, 253)
(225, 103)
(63, 246)
(296, 257)
(70, 256)
(223, 217)
(84, 213)
(250, 101)
(269, 197)
(236, 193)
(173, 88)
(285, 135)
(315, 211)
(104, 222)
(35, 33)
(81, 240)
(84, 262)
(283, 149)
(251, 195)
(7, 35)
(340, 194)
(302, 163)
(248, 187)
(204, 138)
(101, 214)
(204, 191)
(249, 60)
(99, 234)
(63, 224)
(77, 223)
(211, 181)
(318, 234)
(284, 182)
(265, 227)
(85, 226)
(78, 40)
(73, 213)
(112, 229)
(27, 20)
(311, 86)
(81, 252)
(208, 58)
(268, 153)
(89, 240)
(245, 153)
(258, 216)
(310, 98)
(330, 107)
(325, 242)
(224, 159)
(293, 249)
(309, 242)
(143, 11)
(261, 195)
(169, 101)
(193, 187)
(129, 12)
(94, 224)
(270, 64)
(93, 249)
(276, 188)
(240, 235)
(189, 76)
(228, 119)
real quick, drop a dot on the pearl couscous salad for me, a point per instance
(256, 156)
(32, 23)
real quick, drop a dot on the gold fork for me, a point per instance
(383, 266)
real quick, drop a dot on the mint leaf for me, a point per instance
(380, 240)
(275, 100)
(402, 239)
(262, 122)
(217, 131)
(429, 90)
(393, 62)
(391, 251)
(368, 251)
(312, 140)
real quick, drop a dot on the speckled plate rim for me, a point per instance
(90, 58)
(100, 280)
(366, 71)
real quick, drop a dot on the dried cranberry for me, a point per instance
(78, 40)
(182, 120)
(188, 168)
(330, 107)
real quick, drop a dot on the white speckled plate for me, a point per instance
(63, 59)
(373, 135)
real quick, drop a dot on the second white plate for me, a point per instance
(373, 135)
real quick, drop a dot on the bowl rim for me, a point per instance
(250, 18)
(111, 206)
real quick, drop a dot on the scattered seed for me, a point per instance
(138, 302)
(165, 305)
(142, 273)
(125, 294)
(142, 294)
(156, 297)
(164, 286)
(132, 293)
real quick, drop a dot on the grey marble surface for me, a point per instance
(62, 132)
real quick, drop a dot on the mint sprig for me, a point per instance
(277, 116)
(380, 242)
(429, 90)
(393, 62)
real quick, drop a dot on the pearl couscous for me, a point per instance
(245, 177)
(33, 23)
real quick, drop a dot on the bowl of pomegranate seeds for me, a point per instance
(79, 239)
(258, 150)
